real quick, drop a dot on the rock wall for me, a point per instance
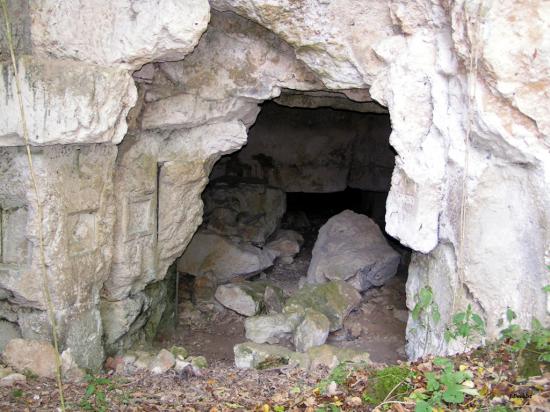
(465, 83)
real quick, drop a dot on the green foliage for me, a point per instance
(339, 375)
(17, 393)
(426, 304)
(279, 408)
(465, 325)
(536, 340)
(447, 386)
(329, 408)
(389, 382)
(95, 397)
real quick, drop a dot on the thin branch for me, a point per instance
(45, 284)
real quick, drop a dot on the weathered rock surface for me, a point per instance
(128, 33)
(12, 379)
(250, 212)
(270, 328)
(224, 259)
(264, 356)
(351, 247)
(8, 331)
(334, 299)
(247, 298)
(35, 356)
(335, 39)
(164, 361)
(285, 243)
(168, 169)
(312, 331)
(60, 108)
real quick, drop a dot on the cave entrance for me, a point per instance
(264, 207)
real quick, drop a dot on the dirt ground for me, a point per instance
(377, 326)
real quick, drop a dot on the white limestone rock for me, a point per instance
(36, 356)
(168, 169)
(335, 300)
(125, 33)
(351, 247)
(270, 328)
(8, 331)
(334, 38)
(312, 331)
(65, 102)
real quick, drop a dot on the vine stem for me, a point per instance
(39, 209)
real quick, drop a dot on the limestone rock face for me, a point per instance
(235, 66)
(8, 331)
(334, 299)
(335, 39)
(126, 33)
(351, 247)
(36, 356)
(225, 260)
(93, 102)
(76, 193)
(250, 212)
(168, 169)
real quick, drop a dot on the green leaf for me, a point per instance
(448, 335)
(426, 296)
(546, 288)
(459, 318)
(416, 311)
(435, 313)
(478, 321)
(453, 394)
(510, 315)
(443, 362)
(90, 390)
(470, 391)
(432, 382)
(422, 406)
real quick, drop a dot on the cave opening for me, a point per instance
(264, 206)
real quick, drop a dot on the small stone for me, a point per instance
(181, 365)
(179, 352)
(37, 356)
(273, 299)
(354, 401)
(162, 362)
(12, 379)
(5, 372)
(199, 362)
(332, 388)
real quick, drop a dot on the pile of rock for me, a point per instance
(177, 358)
(234, 240)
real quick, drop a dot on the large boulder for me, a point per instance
(270, 328)
(334, 299)
(351, 247)
(36, 356)
(247, 211)
(224, 259)
(247, 298)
